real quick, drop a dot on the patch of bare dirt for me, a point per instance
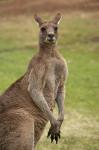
(14, 7)
(95, 39)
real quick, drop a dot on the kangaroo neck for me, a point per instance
(47, 49)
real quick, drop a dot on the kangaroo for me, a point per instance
(27, 105)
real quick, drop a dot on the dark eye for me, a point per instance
(55, 28)
(43, 29)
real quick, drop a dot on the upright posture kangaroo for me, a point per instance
(27, 105)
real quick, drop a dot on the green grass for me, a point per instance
(79, 44)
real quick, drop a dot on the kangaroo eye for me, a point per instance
(55, 28)
(43, 29)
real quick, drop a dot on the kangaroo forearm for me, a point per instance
(60, 104)
(40, 101)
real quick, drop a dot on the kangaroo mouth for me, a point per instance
(50, 40)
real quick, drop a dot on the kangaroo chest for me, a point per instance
(52, 82)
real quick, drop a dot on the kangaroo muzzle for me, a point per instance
(51, 37)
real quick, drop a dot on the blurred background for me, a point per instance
(78, 43)
(10, 7)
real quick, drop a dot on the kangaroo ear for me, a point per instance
(38, 19)
(57, 18)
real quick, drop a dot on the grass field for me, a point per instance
(79, 44)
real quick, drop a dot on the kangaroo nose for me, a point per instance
(51, 35)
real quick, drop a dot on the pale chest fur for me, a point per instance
(54, 76)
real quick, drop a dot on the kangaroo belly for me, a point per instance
(50, 89)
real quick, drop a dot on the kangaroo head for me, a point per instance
(48, 30)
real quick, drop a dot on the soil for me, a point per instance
(15, 7)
